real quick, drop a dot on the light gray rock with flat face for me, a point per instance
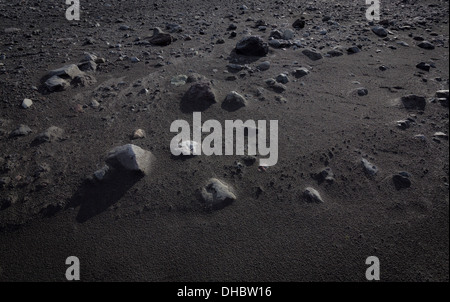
(312, 195)
(300, 72)
(55, 83)
(217, 194)
(21, 131)
(50, 135)
(68, 71)
(370, 168)
(27, 103)
(131, 158)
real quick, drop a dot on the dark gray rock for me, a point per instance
(362, 91)
(423, 66)
(443, 97)
(275, 43)
(299, 24)
(264, 66)
(413, 101)
(275, 86)
(288, 34)
(426, 45)
(403, 124)
(174, 28)
(442, 94)
(380, 31)
(335, 53)
(353, 50)
(160, 38)
(313, 55)
(276, 34)
(252, 46)
(282, 78)
(233, 101)
(402, 180)
(300, 72)
(199, 97)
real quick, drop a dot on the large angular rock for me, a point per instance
(252, 46)
(299, 24)
(66, 72)
(233, 101)
(217, 194)
(413, 101)
(160, 38)
(199, 97)
(312, 54)
(55, 83)
(131, 158)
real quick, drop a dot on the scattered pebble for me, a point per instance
(369, 167)
(217, 194)
(27, 103)
(138, 134)
(312, 195)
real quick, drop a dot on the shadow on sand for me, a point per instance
(95, 198)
